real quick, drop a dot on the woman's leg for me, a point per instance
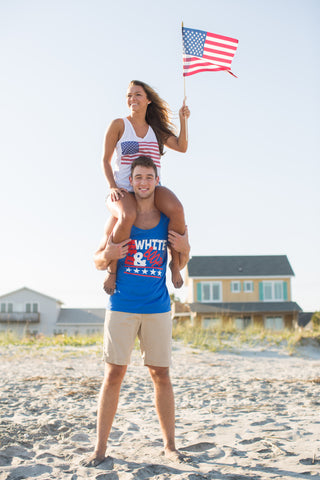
(109, 226)
(167, 202)
(125, 211)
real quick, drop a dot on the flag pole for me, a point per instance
(184, 87)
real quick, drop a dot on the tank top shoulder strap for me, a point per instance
(128, 128)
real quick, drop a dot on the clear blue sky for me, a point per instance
(250, 179)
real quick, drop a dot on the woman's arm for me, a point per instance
(113, 134)
(180, 143)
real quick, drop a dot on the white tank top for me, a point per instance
(129, 147)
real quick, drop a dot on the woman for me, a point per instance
(145, 131)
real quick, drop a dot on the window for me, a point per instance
(208, 322)
(206, 292)
(273, 291)
(243, 322)
(6, 307)
(209, 292)
(274, 323)
(278, 294)
(235, 287)
(248, 286)
(267, 291)
(32, 308)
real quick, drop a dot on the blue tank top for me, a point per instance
(141, 276)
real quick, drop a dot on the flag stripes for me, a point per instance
(205, 51)
(132, 150)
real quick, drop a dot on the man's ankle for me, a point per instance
(100, 452)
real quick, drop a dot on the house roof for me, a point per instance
(304, 318)
(32, 291)
(239, 266)
(80, 316)
(245, 307)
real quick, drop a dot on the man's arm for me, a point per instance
(109, 251)
(181, 244)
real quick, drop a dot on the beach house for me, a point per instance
(28, 312)
(239, 291)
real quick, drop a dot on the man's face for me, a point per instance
(144, 181)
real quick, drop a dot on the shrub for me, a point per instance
(316, 320)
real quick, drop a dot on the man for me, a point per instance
(140, 306)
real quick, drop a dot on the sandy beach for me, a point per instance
(249, 414)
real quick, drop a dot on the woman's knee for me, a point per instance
(128, 216)
(127, 211)
(178, 210)
(167, 202)
(176, 218)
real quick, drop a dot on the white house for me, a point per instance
(26, 311)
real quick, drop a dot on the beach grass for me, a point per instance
(213, 340)
(9, 338)
(230, 338)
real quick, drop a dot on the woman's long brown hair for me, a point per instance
(158, 115)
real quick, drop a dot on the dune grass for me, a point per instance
(229, 338)
(9, 338)
(205, 339)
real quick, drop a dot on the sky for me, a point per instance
(249, 181)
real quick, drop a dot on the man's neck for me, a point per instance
(145, 204)
(148, 216)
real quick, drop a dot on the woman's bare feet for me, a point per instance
(109, 284)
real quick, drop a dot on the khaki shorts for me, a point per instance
(154, 332)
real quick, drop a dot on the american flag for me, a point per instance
(205, 51)
(132, 150)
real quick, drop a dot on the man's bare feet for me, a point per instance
(94, 460)
(176, 276)
(175, 456)
(109, 284)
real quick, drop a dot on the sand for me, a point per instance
(250, 414)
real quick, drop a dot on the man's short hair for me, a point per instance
(143, 162)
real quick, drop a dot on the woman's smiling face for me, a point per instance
(137, 98)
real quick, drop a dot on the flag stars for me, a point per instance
(129, 148)
(193, 41)
(153, 272)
